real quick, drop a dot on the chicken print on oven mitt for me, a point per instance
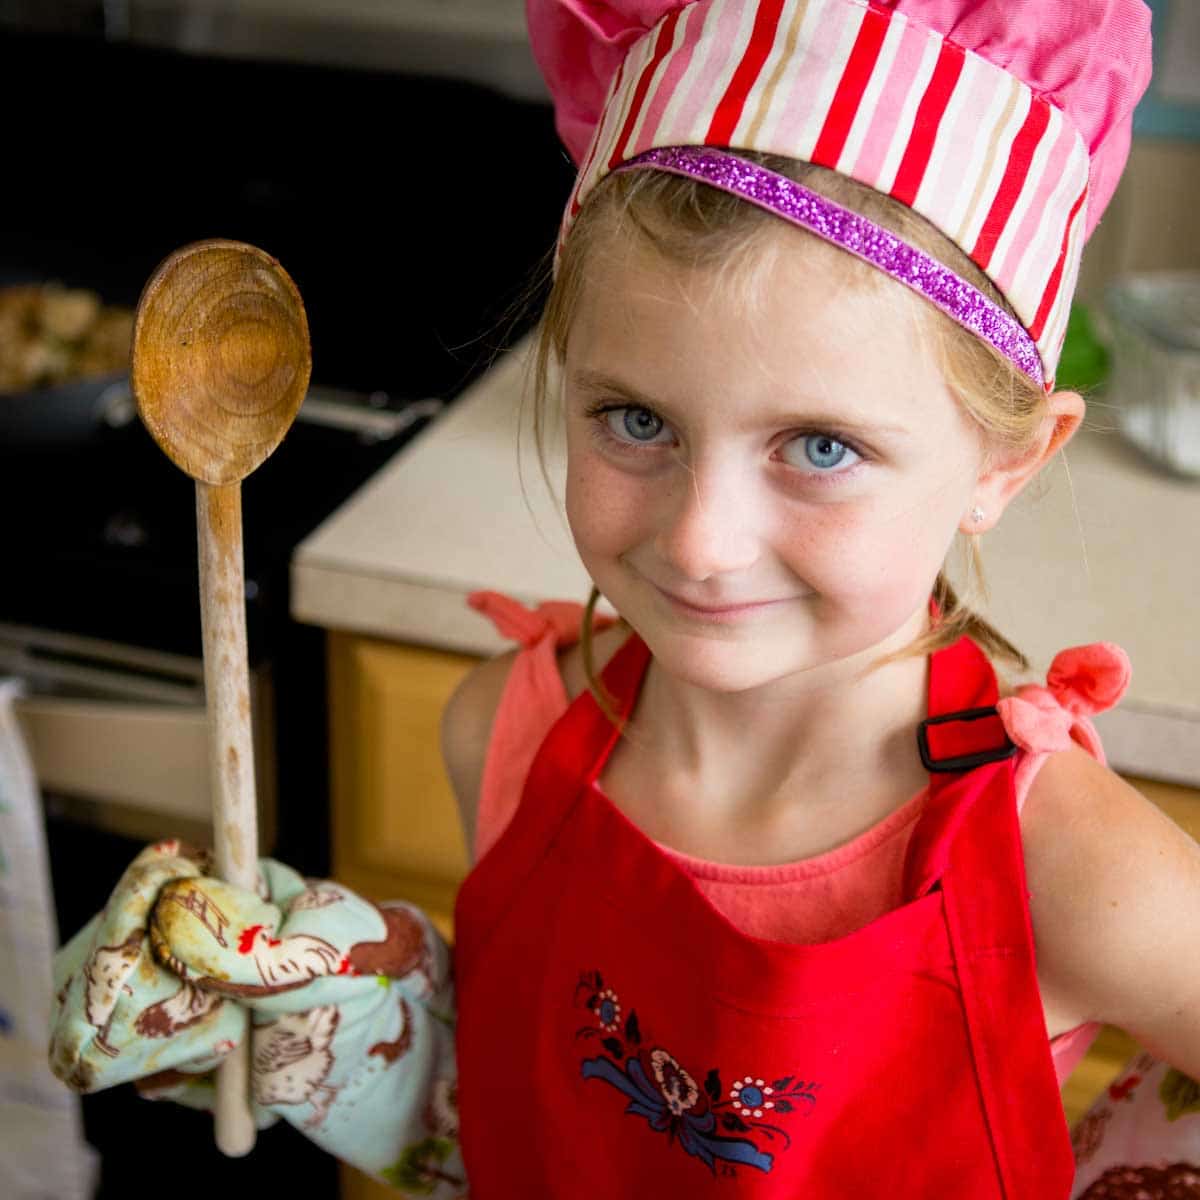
(352, 1006)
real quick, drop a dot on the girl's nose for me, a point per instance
(707, 527)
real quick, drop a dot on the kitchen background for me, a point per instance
(399, 159)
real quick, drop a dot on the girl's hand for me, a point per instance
(352, 1005)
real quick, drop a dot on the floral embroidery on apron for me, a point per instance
(661, 1090)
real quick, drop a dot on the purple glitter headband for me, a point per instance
(870, 242)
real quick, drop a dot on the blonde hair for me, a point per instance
(694, 225)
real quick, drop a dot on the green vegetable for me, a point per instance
(1084, 362)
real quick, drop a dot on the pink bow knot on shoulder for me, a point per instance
(1081, 681)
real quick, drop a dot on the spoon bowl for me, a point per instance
(221, 358)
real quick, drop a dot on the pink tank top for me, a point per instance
(820, 898)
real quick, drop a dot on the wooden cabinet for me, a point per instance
(396, 832)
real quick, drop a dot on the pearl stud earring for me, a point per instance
(977, 514)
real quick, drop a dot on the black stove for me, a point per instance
(106, 540)
(410, 211)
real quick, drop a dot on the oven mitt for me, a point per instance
(118, 1015)
(352, 1004)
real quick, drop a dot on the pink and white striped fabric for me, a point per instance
(874, 93)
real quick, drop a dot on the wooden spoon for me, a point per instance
(220, 366)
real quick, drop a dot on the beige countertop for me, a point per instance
(1103, 548)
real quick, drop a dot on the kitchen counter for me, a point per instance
(1101, 548)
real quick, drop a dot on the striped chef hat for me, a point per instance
(1005, 123)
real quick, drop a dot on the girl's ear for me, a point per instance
(1001, 480)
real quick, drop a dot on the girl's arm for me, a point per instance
(470, 712)
(1115, 901)
(466, 730)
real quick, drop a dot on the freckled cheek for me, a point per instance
(606, 507)
(850, 554)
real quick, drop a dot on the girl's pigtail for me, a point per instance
(955, 620)
(603, 698)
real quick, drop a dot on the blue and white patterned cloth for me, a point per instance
(352, 1006)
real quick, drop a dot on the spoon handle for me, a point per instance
(231, 756)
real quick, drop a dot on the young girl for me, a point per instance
(776, 887)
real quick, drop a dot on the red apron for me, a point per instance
(618, 1037)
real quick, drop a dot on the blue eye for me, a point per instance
(636, 424)
(821, 451)
(824, 451)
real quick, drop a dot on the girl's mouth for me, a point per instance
(723, 613)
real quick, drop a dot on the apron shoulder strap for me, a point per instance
(964, 745)
(968, 843)
(577, 746)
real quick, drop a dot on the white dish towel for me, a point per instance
(43, 1155)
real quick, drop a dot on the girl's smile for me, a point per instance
(725, 613)
(744, 491)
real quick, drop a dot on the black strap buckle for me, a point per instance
(964, 762)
